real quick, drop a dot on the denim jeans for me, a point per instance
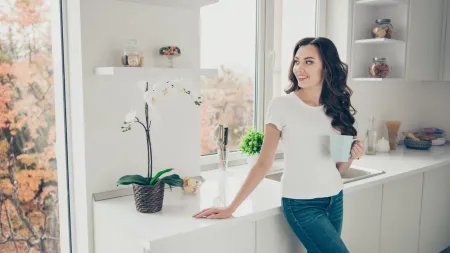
(317, 222)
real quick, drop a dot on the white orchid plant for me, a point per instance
(158, 91)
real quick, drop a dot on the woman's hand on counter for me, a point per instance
(215, 213)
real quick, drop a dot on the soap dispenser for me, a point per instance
(383, 145)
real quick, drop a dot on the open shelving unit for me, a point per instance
(365, 48)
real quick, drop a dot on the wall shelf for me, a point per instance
(380, 2)
(379, 41)
(180, 4)
(110, 71)
(374, 79)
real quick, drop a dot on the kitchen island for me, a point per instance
(406, 209)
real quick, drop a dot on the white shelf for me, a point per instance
(181, 4)
(380, 2)
(379, 41)
(110, 71)
(374, 79)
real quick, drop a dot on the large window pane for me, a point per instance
(228, 43)
(29, 209)
(293, 20)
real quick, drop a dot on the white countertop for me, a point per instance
(117, 219)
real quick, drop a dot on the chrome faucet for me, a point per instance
(220, 137)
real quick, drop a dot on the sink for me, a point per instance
(275, 176)
(354, 173)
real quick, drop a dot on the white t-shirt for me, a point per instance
(309, 170)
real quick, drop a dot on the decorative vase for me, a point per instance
(149, 198)
(171, 61)
(251, 160)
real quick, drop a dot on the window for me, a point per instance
(229, 44)
(32, 208)
(250, 43)
(292, 21)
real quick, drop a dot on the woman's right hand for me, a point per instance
(215, 213)
(254, 177)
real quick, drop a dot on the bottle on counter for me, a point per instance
(371, 138)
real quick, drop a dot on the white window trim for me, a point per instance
(60, 124)
(75, 129)
(321, 18)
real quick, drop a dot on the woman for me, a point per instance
(317, 106)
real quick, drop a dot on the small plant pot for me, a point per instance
(149, 198)
(251, 160)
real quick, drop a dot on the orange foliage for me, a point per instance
(229, 100)
(29, 216)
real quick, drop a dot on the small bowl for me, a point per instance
(421, 145)
(439, 141)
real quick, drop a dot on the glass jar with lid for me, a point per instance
(131, 56)
(382, 28)
(379, 68)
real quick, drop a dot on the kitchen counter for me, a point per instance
(119, 227)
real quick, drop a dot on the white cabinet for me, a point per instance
(423, 60)
(435, 217)
(446, 61)
(400, 214)
(273, 234)
(236, 238)
(362, 217)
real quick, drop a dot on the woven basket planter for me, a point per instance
(149, 198)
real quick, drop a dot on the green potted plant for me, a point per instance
(250, 146)
(149, 191)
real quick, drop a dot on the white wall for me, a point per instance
(110, 154)
(415, 104)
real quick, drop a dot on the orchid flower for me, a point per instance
(150, 97)
(130, 116)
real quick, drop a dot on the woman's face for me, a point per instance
(308, 67)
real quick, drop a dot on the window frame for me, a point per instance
(264, 65)
(258, 108)
(73, 97)
(61, 146)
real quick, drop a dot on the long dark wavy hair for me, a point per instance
(335, 96)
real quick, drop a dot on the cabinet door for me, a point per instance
(446, 69)
(423, 61)
(237, 238)
(400, 214)
(362, 218)
(273, 234)
(435, 217)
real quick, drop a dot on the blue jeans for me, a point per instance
(317, 222)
